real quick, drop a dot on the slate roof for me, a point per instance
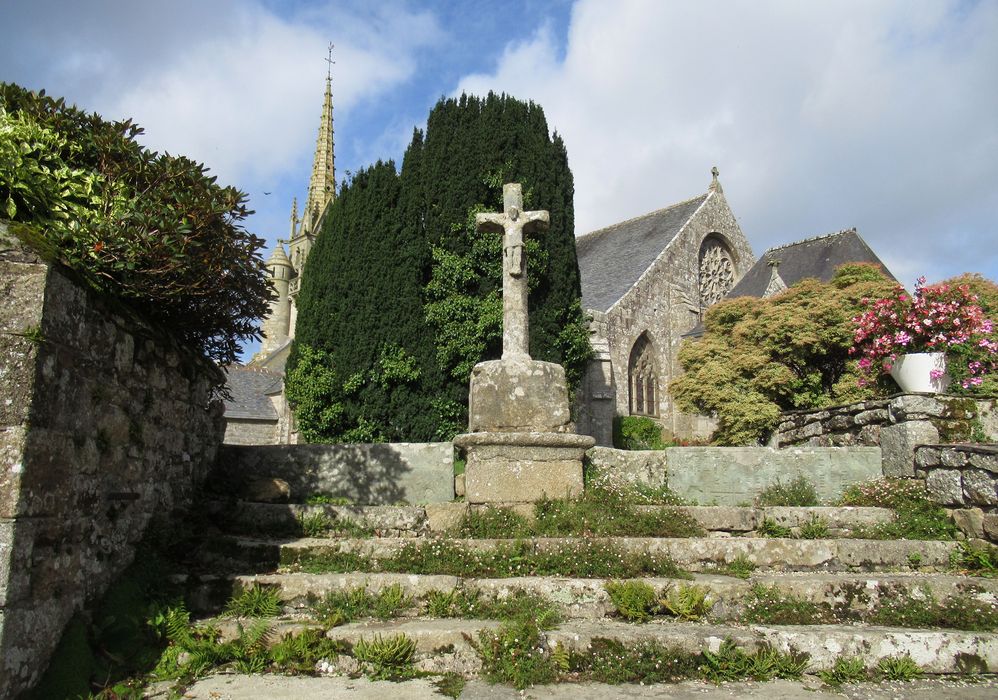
(612, 259)
(249, 387)
(813, 257)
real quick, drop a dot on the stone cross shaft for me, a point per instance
(513, 222)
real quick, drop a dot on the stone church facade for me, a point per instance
(647, 282)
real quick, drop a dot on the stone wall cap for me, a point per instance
(976, 447)
(525, 439)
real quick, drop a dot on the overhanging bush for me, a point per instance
(151, 229)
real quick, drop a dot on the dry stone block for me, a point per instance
(510, 395)
(979, 487)
(443, 517)
(459, 485)
(970, 521)
(986, 461)
(648, 467)
(927, 457)
(908, 407)
(990, 525)
(267, 490)
(898, 443)
(876, 415)
(952, 458)
(944, 487)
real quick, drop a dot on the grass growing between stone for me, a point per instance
(601, 511)
(587, 558)
(341, 607)
(473, 604)
(636, 601)
(739, 567)
(976, 559)
(798, 492)
(918, 518)
(770, 606)
(962, 612)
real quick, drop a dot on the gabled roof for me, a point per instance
(612, 259)
(249, 388)
(813, 257)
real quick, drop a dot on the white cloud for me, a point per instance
(821, 116)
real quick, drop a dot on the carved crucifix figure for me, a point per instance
(513, 222)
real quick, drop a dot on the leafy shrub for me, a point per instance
(899, 668)
(759, 357)
(799, 492)
(847, 669)
(151, 229)
(386, 658)
(637, 433)
(635, 600)
(686, 602)
(814, 529)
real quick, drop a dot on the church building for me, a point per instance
(646, 283)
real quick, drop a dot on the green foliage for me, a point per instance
(520, 605)
(730, 663)
(686, 602)
(360, 328)
(739, 567)
(899, 668)
(918, 518)
(151, 229)
(637, 433)
(759, 357)
(314, 524)
(399, 371)
(341, 607)
(771, 528)
(961, 355)
(814, 529)
(493, 522)
(980, 559)
(387, 658)
(960, 611)
(450, 685)
(514, 655)
(255, 601)
(586, 558)
(611, 661)
(771, 606)
(324, 499)
(799, 492)
(847, 669)
(636, 601)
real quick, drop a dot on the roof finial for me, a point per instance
(330, 61)
(715, 184)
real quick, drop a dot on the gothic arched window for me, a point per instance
(717, 272)
(643, 378)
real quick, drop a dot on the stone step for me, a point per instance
(696, 554)
(445, 645)
(848, 595)
(417, 521)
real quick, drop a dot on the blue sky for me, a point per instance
(879, 114)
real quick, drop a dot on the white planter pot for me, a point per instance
(912, 372)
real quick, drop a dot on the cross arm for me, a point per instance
(535, 220)
(490, 222)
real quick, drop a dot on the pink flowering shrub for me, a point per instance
(946, 317)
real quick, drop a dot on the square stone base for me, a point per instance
(523, 467)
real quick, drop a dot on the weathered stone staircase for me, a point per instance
(845, 584)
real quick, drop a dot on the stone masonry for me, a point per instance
(897, 424)
(963, 478)
(105, 427)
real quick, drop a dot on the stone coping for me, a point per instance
(885, 399)
(583, 442)
(976, 447)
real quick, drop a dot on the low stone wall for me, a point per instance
(965, 478)
(897, 424)
(381, 474)
(735, 475)
(103, 427)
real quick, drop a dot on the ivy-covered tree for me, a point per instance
(471, 147)
(151, 229)
(405, 296)
(360, 307)
(759, 357)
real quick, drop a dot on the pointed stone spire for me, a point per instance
(294, 219)
(715, 184)
(321, 188)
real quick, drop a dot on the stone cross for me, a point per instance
(513, 222)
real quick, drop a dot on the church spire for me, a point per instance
(321, 188)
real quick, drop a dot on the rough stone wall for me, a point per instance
(665, 303)
(898, 424)
(964, 477)
(103, 427)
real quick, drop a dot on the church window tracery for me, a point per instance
(643, 378)
(717, 272)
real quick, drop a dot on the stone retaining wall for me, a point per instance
(104, 426)
(734, 475)
(383, 474)
(964, 477)
(897, 424)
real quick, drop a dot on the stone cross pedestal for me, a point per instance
(521, 445)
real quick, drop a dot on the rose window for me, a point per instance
(717, 274)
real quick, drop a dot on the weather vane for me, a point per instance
(330, 61)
